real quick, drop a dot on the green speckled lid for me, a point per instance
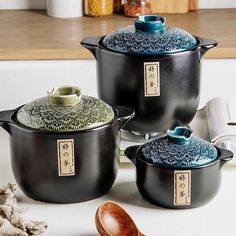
(65, 109)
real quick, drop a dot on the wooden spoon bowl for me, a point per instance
(112, 220)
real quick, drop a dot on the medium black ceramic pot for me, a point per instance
(155, 71)
(65, 166)
(179, 182)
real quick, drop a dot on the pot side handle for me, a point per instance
(131, 153)
(5, 120)
(225, 156)
(91, 43)
(204, 45)
(124, 115)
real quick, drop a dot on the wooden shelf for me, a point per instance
(32, 35)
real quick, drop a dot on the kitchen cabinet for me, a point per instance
(32, 35)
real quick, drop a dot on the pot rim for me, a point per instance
(48, 132)
(179, 167)
(101, 46)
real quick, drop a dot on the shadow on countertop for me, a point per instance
(128, 193)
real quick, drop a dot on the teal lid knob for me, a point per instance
(180, 135)
(150, 23)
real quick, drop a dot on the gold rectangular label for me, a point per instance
(65, 151)
(151, 79)
(182, 187)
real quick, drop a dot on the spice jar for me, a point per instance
(98, 7)
(135, 8)
(118, 6)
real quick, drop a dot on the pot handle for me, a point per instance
(131, 153)
(5, 119)
(204, 45)
(91, 43)
(225, 156)
(124, 115)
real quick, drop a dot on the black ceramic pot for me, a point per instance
(156, 73)
(65, 166)
(182, 186)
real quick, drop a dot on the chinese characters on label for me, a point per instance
(66, 166)
(182, 187)
(151, 79)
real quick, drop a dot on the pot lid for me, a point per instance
(149, 35)
(178, 148)
(65, 109)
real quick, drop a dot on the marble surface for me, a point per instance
(216, 218)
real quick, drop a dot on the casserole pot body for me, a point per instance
(122, 80)
(37, 160)
(178, 188)
(157, 185)
(153, 68)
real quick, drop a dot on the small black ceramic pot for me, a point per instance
(89, 167)
(181, 187)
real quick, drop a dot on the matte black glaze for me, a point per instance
(156, 184)
(35, 162)
(121, 82)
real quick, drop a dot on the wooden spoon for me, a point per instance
(112, 220)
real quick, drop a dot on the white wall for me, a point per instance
(22, 4)
(41, 4)
(23, 81)
(217, 4)
(217, 79)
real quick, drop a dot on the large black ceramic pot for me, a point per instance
(152, 68)
(64, 147)
(178, 170)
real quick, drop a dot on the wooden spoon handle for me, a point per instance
(140, 234)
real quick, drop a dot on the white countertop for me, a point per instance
(216, 218)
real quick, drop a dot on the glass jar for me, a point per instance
(98, 7)
(118, 6)
(135, 8)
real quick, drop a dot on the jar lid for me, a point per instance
(149, 35)
(65, 109)
(178, 148)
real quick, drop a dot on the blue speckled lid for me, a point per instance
(149, 35)
(178, 148)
